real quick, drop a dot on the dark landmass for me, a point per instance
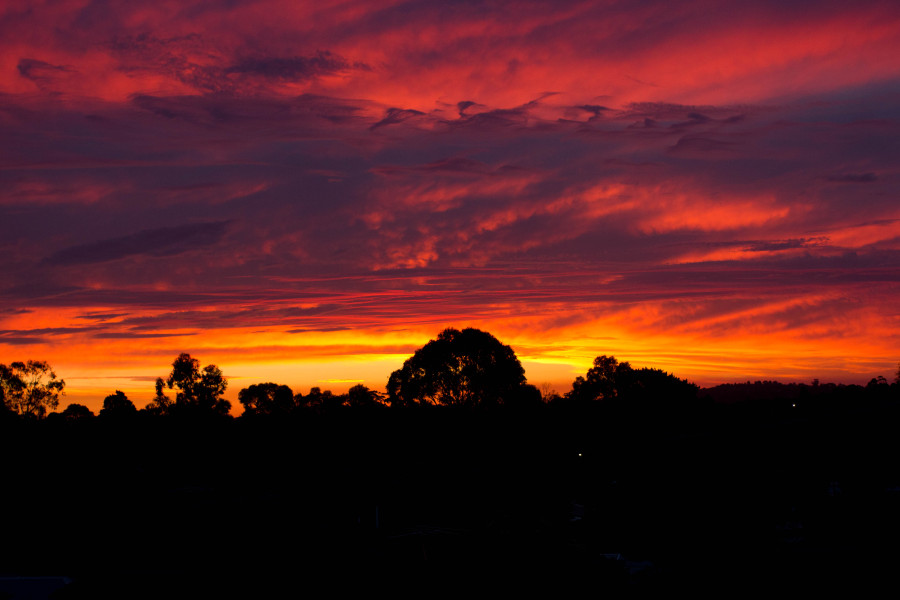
(742, 486)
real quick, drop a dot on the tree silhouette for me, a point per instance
(267, 399)
(459, 368)
(30, 388)
(161, 404)
(117, 405)
(360, 395)
(199, 390)
(600, 382)
(655, 385)
(609, 379)
(526, 397)
(75, 412)
(10, 385)
(877, 382)
(319, 401)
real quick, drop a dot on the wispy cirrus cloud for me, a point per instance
(165, 241)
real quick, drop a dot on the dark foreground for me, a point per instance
(726, 497)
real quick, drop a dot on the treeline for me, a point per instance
(877, 387)
(452, 475)
(466, 369)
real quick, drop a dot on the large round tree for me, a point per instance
(459, 368)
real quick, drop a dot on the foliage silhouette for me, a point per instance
(600, 382)
(9, 385)
(30, 388)
(267, 399)
(359, 395)
(318, 400)
(459, 368)
(117, 405)
(75, 412)
(161, 404)
(198, 390)
(526, 397)
(609, 379)
(877, 382)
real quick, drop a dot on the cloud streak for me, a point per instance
(164, 241)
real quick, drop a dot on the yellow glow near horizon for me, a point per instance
(339, 360)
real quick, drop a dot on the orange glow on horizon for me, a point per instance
(338, 360)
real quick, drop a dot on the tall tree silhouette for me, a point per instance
(459, 368)
(198, 390)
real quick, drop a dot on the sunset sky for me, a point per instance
(307, 192)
